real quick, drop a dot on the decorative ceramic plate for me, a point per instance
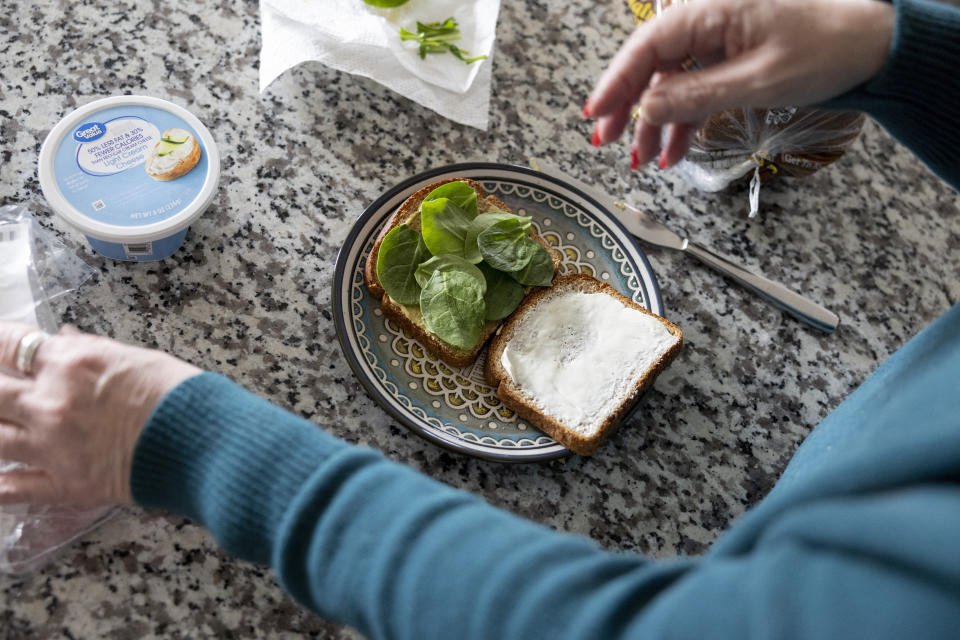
(454, 407)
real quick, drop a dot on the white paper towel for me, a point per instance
(350, 36)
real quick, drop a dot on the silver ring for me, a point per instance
(27, 349)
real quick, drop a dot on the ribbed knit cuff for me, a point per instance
(914, 96)
(924, 51)
(231, 461)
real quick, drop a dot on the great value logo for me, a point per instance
(89, 131)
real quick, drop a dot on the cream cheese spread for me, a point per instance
(578, 355)
(159, 162)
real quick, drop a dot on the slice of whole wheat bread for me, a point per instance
(529, 408)
(408, 316)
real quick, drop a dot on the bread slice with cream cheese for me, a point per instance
(174, 155)
(409, 317)
(573, 359)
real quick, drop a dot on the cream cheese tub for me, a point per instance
(131, 173)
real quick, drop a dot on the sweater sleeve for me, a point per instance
(375, 545)
(915, 95)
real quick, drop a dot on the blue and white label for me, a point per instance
(123, 144)
(131, 165)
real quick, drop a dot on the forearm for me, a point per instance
(378, 546)
(371, 543)
(399, 555)
(915, 95)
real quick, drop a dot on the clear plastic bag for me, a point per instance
(766, 143)
(761, 143)
(35, 268)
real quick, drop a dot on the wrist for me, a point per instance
(227, 459)
(874, 26)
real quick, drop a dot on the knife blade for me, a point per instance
(644, 227)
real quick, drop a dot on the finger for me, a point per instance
(691, 97)
(609, 127)
(11, 392)
(15, 444)
(676, 145)
(646, 138)
(663, 44)
(69, 330)
(11, 333)
(27, 486)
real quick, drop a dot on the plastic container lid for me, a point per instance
(92, 169)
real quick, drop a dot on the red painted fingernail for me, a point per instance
(634, 160)
(596, 138)
(663, 160)
(586, 109)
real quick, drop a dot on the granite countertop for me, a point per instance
(875, 238)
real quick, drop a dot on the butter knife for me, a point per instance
(644, 227)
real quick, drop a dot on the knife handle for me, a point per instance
(793, 303)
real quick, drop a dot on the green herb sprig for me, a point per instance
(438, 37)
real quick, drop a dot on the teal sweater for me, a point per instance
(859, 539)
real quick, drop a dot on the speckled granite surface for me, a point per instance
(875, 238)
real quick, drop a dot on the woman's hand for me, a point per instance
(756, 53)
(76, 418)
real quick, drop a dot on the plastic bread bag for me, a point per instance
(765, 144)
(760, 143)
(35, 269)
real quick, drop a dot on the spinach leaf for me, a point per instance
(445, 215)
(447, 262)
(505, 245)
(453, 309)
(503, 293)
(537, 272)
(471, 250)
(444, 226)
(401, 252)
(461, 193)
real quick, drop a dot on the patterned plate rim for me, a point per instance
(646, 279)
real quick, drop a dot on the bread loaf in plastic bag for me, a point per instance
(765, 144)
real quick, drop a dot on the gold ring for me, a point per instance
(27, 350)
